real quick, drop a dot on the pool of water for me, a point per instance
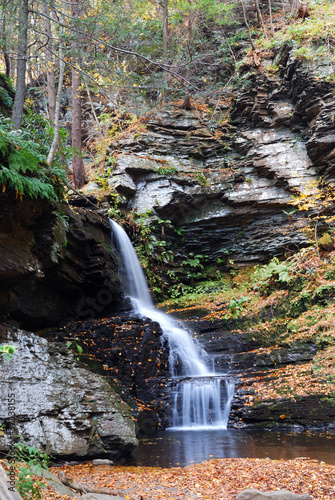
(181, 448)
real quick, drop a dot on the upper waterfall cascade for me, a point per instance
(202, 398)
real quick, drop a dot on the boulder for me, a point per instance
(5, 492)
(102, 461)
(253, 494)
(59, 407)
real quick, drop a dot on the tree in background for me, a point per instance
(54, 101)
(137, 45)
(3, 36)
(21, 65)
(77, 162)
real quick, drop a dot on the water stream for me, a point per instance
(202, 398)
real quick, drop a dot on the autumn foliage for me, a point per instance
(214, 480)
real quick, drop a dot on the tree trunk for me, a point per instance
(77, 163)
(55, 139)
(247, 24)
(165, 42)
(4, 38)
(54, 144)
(260, 18)
(165, 29)
(50, 69)
(189, 39)
(21, 65)
(271, 21)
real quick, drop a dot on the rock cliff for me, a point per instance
(242, 356)
(56, 264)
(226, 172)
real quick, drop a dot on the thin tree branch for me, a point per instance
(83, 73)
(165, 67)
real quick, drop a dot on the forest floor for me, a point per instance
(221, 479)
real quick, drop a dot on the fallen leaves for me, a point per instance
(216, 479)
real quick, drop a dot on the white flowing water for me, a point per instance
(202, 398)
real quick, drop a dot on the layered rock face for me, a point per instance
(54, 266)
(228, 186)
(57, 406)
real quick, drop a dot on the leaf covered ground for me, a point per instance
(216, 479)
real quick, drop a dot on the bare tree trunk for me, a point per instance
(77, 163)
(260, 18)
(54, 144)
(189, 40)
(271, 20)
(4, 38)
(21, 65)
(247, 24)
(165, 29)
(50, 69)
(91, 103)
(165, 41)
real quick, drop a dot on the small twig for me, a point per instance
(91, 103)
(83, 196)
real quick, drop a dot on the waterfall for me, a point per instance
(202, 398)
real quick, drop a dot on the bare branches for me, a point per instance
(247, 24)
(144, 59)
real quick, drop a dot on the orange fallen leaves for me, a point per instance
(216, 479)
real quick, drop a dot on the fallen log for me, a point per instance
(83, 488)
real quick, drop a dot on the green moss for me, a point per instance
(325, 242)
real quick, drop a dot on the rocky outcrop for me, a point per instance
(58, 406)
(225, 175)
(56, 263)
(129, 352)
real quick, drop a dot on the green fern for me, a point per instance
(23, 166)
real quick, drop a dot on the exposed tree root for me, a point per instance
(83, 488)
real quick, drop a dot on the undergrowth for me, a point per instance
(23, 165)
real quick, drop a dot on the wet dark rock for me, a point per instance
(308, 411)
(131, 353)
(88, 200)
(56, 264)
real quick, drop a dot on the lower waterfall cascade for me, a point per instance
(202, 398)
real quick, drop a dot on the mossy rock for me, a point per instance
(326, 242)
